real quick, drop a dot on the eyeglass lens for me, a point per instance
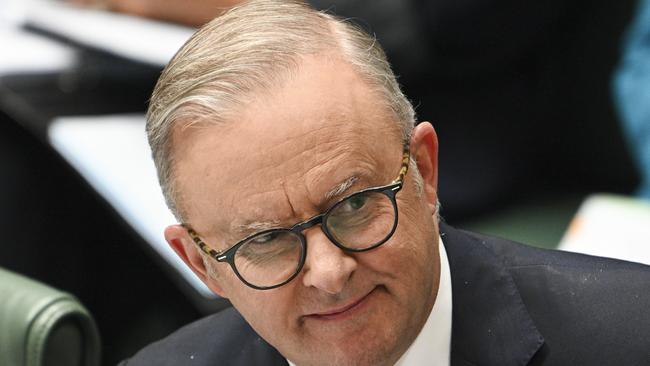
(362, 220)
(359, 222)
(270, 258)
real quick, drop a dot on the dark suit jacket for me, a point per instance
(512, 305)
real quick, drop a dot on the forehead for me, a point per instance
(288, 147)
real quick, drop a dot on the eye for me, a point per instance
(265, 238)
(354, 203)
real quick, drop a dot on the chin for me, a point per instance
(377, 350)
(357, 356)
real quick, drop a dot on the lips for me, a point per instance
(343, 311)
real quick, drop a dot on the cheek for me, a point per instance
(410, 256)
(416, 230)
(265, 311)
(251, 308)
(405, 262)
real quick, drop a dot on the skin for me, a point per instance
(276, 163)
(176, 11)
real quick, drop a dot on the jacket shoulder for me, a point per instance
(224, 338)
(590, 310)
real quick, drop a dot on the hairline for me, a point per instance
(236, 111)
(339, 33)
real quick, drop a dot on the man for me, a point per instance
(287, 151)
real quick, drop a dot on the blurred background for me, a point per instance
(542, 111)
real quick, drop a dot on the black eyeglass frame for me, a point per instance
(228, 255)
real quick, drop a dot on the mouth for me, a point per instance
(343, 312)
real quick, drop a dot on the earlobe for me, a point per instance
(180, 241)
(424, 149)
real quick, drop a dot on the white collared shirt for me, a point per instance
(433, 345)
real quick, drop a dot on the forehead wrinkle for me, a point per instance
(314, 142)
(253, 207)
(239, 212)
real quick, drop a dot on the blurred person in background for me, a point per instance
(193, 13)
(632, 93)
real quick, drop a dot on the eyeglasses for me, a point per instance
(359, 222)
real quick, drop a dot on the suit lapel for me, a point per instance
(490, 325)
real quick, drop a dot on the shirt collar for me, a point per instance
(433, 345)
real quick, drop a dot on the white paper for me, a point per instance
(23, 52)
(145, 40)
(112, 154)
(611, 226)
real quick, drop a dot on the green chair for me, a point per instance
(41, 326)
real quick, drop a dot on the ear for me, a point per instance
(424, 149)
(178, 238)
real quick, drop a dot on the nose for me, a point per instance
(327, 267)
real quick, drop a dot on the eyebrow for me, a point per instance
(255, 226)
(341, 187)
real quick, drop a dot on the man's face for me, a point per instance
(274, 167)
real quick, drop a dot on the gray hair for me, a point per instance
(247, 50)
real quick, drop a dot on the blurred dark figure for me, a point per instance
(632, 92)
(57, 230)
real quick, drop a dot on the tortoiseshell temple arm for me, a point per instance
(202, 245)
(406, 155)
